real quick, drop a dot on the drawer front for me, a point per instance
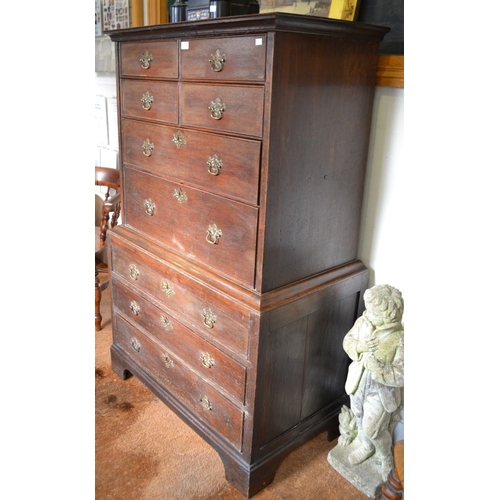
(150, 100)
(210, 314)
(216, 163)
(223, 108)
(236, 58)
(197, 395)
(200, 226)
(157, 59)
(202, 357)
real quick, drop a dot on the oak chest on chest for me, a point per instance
(243, 148)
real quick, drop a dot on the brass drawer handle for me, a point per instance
(180, 195)
(206, 360)
(136, 345)
(167, 288)
(213, 234)
(179, 140)
(209, 318)
(147, 101)
(205, 402)
(134, 272)
(214, 164)
(166, 322)
(217, 107)
(147, 148)
(149, 206)
(134, 307)
(166, 359)
(146, 59)
(217, 60)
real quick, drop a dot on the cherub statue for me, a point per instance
(375, 378)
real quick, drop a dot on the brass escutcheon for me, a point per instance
(205, 402)
(134, 272)
(179, 140)
(168, 362)
(147, 100)
(213, 234)
(167, 288)
(208, 318)
(206, 360)
(146, 59)
(166, 322)
(217, 107)
(214, 164)
(147, 147)
(149, 206)
(217, 60)
(180, 195)
(136, 345)
(134, 307)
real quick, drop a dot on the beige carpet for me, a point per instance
(145, 452)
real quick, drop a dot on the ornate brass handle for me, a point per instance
(149, 206)
(179, 140)
(134, 272)
(213, 234)
(134, 307)
(146, 59)
(147, 148)
(217, 60)
(217, 107)
(206, 360)
(214, 164)
(167, 288)
(205, 402)
(147, 100)
(208, 318)
(180, 195)
(166, 322)
(168, 362)
(136, 345)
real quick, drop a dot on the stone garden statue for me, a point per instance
(375, 379)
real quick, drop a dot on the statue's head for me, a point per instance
(384, 304)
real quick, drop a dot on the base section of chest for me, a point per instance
(254, 389)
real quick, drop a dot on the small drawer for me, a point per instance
(223, 165)
(202, 227)
(202, 400)
(202, 357)
(235, 58)
(223, 108)
(203, 310)
(150, 100)
(157, 59)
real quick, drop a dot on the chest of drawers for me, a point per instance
(243, 147)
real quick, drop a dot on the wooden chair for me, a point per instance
(109, 209)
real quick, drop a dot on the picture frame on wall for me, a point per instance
(115, 14)
(346, 10)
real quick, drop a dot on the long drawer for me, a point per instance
(209, 229)
(212, 315)
(234, 109)
(221, 58)
(211, 363)
(150, 100)
(197, 395)
(223, 165)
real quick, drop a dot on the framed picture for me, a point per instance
(346, 10)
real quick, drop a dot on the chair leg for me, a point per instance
(98, 317)
(392, 489)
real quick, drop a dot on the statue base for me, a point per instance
(366, 477)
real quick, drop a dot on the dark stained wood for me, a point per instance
(282, 285)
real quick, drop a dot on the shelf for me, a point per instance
(391, 71)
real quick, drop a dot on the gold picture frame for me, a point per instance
(346, 10)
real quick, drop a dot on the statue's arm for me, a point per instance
(388, 373)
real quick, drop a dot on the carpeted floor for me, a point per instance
(145, 452)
